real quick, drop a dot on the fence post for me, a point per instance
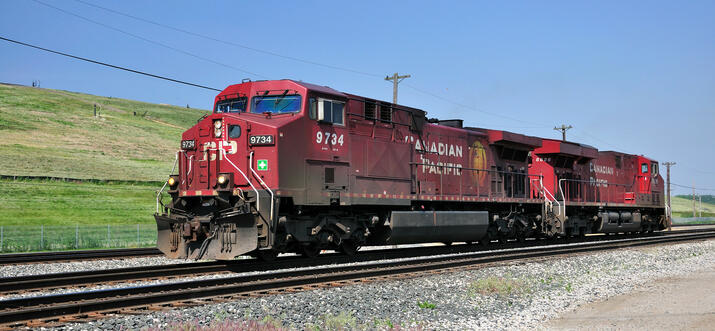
(42, 236)
(108, 237)
(76, 236)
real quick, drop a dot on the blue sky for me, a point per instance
(634, 76)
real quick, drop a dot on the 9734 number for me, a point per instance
(265, 139)
(329, 137)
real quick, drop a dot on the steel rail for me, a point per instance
(52, 306)
(17, 258)
(85, 278)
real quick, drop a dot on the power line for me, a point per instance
(691, 186)
(109, 65)
(148, 40)
(229, 42)
(298, 60)
(469, 107)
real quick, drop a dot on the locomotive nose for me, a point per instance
(222, 237)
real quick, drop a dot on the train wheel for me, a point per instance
(310, 250)
(349, 248)
(267, 255)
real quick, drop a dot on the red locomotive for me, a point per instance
(286, 166)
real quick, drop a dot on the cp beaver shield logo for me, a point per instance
(478, 158)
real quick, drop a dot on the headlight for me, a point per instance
(217, 132)
(221, 179)
(171, 181)
(217, 124)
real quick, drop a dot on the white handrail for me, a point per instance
(188, 172)
(563, 194)
(158, 195)
(250, 166)
(550, 197)
(258, 197)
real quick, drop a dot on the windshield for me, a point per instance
(276, 104)
(232, 105)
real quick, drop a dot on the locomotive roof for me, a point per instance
(554, 146)
(319, 88)
(283, 82)
(509, 138)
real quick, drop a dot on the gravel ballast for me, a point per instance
(30, 269)
(514, 296)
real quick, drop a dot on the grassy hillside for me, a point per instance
(52, 203)
(54, 133)
(683, 207)
(46, 132)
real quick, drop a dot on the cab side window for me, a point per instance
(313, 110)
(644, 168)
(331, 111)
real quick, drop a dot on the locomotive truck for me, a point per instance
(286, 166)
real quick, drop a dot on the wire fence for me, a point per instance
(693, 220)
(22, 238)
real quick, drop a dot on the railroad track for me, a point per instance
(34, 283)
(84, 255)
(41, 257)
(84, 279)
(63, 308)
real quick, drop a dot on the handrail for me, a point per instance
(559, 206)
(258, 197)
(525, 180)
(475, 169)
(596, 189)
(158, 195)
(188, 172)
(563, 195)
(250, 166)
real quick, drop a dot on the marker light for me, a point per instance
(172, 181)
(221, 180)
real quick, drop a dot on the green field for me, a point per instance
(55, 133)
(683, 206)
(45, 202)
(46, 132)
(58, 215)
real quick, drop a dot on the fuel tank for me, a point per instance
(437, 226)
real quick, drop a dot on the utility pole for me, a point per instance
(694, 200)
(563, 129)
(670, 212)
(396, 79)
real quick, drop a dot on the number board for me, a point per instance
(265, 139)
(188, 144)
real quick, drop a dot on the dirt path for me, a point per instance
(682, 303)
